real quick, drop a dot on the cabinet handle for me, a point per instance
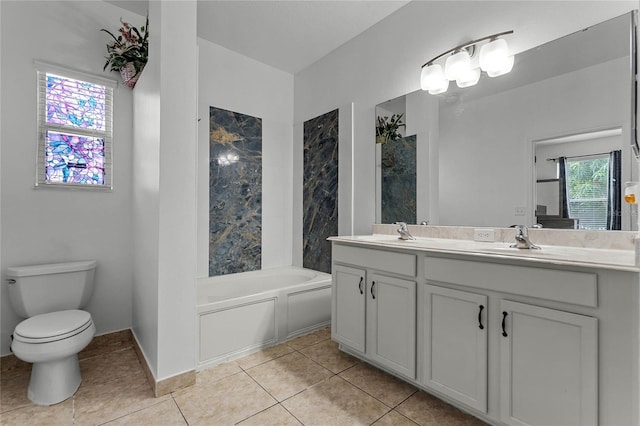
(373, 284)
(504, 321)
(480, 326)
(360, 285)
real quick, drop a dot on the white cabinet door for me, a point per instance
(548, 366)
(455, 344)
(391, 323)
(348, 310)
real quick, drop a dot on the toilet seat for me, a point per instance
(51, 342)
(52, 327)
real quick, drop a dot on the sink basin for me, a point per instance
(375, 238)
(516, 251)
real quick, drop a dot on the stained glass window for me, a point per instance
(75, 103)
(75, 131)
(74, 159)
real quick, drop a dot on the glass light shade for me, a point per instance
(507, 66)
(469, 79)
(443, 86)
(431, 77)
(493, 55)
(457, 65)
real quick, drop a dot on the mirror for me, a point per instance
(478, 149)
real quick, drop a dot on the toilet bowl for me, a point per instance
(50, 297)
(51, 342)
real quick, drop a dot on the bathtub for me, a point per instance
(242, 313)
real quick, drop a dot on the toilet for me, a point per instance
(55, 329)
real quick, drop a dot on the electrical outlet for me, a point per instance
(520, 211)
(484, 234)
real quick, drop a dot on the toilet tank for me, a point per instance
(40, 289)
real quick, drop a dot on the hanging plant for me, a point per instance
(387, 128)
(129, 51)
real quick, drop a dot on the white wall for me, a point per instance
(384, 63)
(178, 150)
(47, 225)
(146, 200)
(234, 82)
(165, 130)
(1, 292)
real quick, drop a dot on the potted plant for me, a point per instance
(387, 128)
(129, 51)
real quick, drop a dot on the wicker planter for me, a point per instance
(129, 75)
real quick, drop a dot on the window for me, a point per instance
(588, 191)
(74, 129)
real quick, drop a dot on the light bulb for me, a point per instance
(441, 88)
(457, 65)
(431, 77)
(506, 66)
(493, 55)
(469, 79)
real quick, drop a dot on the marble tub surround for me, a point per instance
(235, 192)
(320, 190)
(336, 389)
(616, 252)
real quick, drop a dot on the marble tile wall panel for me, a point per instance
(320, 193)
(235, 192)
(398, 189)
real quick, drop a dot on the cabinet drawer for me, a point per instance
(579, 288)
(388, 261)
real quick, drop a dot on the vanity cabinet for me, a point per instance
(348, 325)
(391, 323)
(374, 313)
(547, 359)
(548, 366)
(512, 341)
(454, 360)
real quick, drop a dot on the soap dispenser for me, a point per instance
(631, 196)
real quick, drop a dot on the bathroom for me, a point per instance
(149, 234)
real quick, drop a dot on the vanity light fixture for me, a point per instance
(494, 59)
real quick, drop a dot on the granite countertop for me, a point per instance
(615, 259)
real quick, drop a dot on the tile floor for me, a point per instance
(303, 381)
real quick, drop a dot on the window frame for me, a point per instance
(42, 69)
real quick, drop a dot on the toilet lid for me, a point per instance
(52, 326)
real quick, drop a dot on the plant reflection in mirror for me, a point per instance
(387, 128)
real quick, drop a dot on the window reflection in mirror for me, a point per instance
(578, 181)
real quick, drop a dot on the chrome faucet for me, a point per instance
(522, 239)
(404, 232)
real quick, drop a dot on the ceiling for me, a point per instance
(289, 35)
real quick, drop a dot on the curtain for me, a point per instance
(614, 204)
(564, 195)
